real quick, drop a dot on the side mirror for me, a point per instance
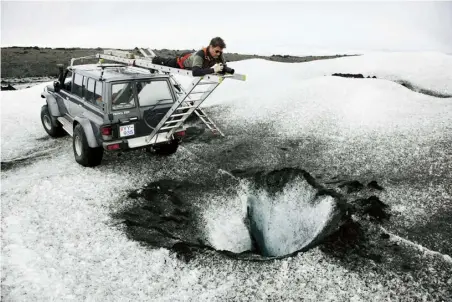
(56, 86)
(60, 76)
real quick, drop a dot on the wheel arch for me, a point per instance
(88, 129)
(53, 109)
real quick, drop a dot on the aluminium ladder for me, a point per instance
(189, 98)
(199, 112)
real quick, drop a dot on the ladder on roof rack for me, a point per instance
(189, 98)
(147, 52)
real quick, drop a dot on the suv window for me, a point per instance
(85, 84)
(77, 87)
(98, 100)
(151, 93)
(122, 96)
(89, 92)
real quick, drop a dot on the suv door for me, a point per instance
(139, 105)
(155, 97)
(75, 106)
(91, 106)
(63, 95)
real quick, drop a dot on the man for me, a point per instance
(205, 61)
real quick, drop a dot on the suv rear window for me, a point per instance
(151, 93)
(122, 96)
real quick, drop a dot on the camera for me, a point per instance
(227, 69)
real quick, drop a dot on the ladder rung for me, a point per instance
(207, 83)
(166, 128)
(179, 114)
(182, 108)
(171, 122)
(198, 92)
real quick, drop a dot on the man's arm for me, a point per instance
(197, 69)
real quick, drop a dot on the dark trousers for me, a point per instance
(170, 62)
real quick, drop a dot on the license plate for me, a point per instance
(126, 130)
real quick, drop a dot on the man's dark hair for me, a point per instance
(217, 42)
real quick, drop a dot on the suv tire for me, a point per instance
(167, 149)
(84, 154)
(46, 121)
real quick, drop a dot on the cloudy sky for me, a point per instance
(247, 27)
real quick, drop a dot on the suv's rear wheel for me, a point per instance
(84, 154)
(46, 120)
(167, 149)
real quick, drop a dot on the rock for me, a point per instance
(183, 251)
(374, 185)
(6, 88)
(384, 236)
(375, 257)
(374, 207)
(352, 186)
(348, 75)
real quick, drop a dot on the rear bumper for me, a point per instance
(138, 142)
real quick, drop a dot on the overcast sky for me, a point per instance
(247, 27)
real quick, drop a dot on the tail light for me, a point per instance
(180, 133)
(113, 147)
(107, 132)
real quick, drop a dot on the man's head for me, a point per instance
(216, 47)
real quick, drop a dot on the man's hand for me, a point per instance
(217, 67)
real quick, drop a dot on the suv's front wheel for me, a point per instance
(46, 120)
(84, 154)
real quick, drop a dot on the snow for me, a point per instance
(314, 97)
(341, 105)
(60, 243)
(426, 70)
(225, 226)
(21, 122)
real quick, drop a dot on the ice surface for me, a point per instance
(59, 242)
(21, 122)
(288, 221)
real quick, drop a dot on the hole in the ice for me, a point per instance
(287, 211)
(289, 221)
(274, 214)
(256, 216)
